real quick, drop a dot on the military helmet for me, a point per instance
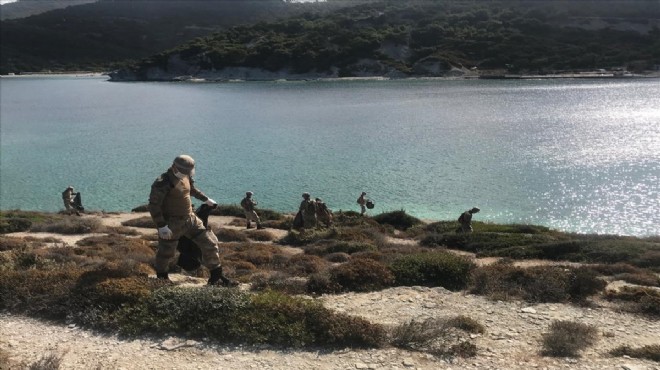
(305, 195)
(248, 193)
(475, 210)
(184, 164)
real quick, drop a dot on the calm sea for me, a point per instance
(575, 155)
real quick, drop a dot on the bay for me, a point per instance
(575, 155)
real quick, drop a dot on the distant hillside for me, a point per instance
(96, 36)
(26, 8)
(422, 38)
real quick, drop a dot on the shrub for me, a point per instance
(259, 255)
(643, 278)
(47, 362)
(13, 225)
(280, 282)
(641, 300)
(433, 269)
(466, 324)
(143, 222)
(304, 264)
(8, 243)
(16, 220)
(260, 235)
(38, 292)
(349, 247)
(362, 275)
(296, 238)
(230, 235)
(400, 220)
(434, 336)
(649, 352)
(535, 284)
(70, 225)
(229, 315)
(567, 338)
(193, 312)
(322, 283)
(338, 257)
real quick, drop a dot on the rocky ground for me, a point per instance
(511, 340)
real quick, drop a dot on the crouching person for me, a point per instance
(171, 209)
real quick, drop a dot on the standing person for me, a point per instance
(171, 209)
(323, 214)
(248, 205)
(308, 211)
(67, 198)
(363, 203)
(465, 219)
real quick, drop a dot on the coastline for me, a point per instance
(292, 78)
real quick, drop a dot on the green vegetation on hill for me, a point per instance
(414, 38)
(100, 35)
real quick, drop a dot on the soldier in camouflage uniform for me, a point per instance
(362, 202)
(308, 210)
(171, 209)
(465, 219)
(67, 198)
(248, 205)
(323, 213)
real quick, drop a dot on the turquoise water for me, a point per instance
(576, 155)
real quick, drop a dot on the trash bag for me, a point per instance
(190, 256)
(370, 204)
(298, 221)
(77, 203)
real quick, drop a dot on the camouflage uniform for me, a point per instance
(362, 202)
(170, 204)
(67, 198)
(308, 210)
(323, 214)
(465, 219)
(248, 205)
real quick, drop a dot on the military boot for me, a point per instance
(249, 225)
(259, 227)
(218, 278)
(163, 276)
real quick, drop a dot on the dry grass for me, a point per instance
(568, 338)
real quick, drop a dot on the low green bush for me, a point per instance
(41, 293)
(535, 284)
(229, 315)
(17, 220)
(649, 352)
(322, 283)
(362, 275)
(443, 269)
(400, 220)
(278, 281)
(336, 246)
(568, 338)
